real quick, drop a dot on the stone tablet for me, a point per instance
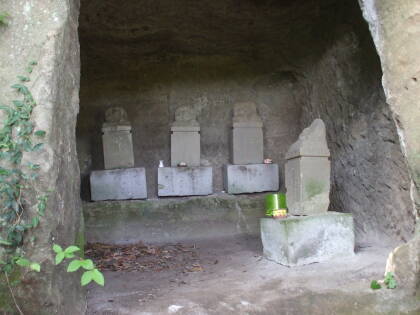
(247, 135)
(307, 172)
(185, 138)
(117, 140)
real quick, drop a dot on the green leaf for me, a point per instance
(374, 285)
(33, 63)
(73, 266)
(87, 264)
(37, 147)
(71, 249)
(57, 248)
(35, 267)
(40, 133)
(86, 277)
(23, 78)
(59, 258)
(390, 281)
(23, 262)
(35, 222)
(98, 277)
(4, 242)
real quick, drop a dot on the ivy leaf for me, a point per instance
(374, 285)
(73, 266)
(86, 277)
(23, 78)
(35, 267)
(35, 222)
(98, 277)
(37, 147)
(23, 262)
(57, 248)
(59, 258)
(40, 133)
(390, 281)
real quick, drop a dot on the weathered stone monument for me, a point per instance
(247, 135)
(185, 177)
(247, 174)
(307, 172)
(117, 140)
(310, 234)
(120, 180)
(185, 138)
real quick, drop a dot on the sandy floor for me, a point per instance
(235, 279)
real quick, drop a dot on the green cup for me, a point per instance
(274, 202)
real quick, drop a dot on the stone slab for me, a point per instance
(251, 178)
(307, 185)
(185, 181)
(297, 241)
(119, 184)
(247, 145)
(185, 147)
(118, 148)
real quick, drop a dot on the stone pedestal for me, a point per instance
(247, 135)
(118, 146)
(185, 181)
(304, 240)
(119, 184)
(307, 172)
(251, 178)
(185, 145)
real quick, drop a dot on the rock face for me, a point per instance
(392, 26)
(307, 172)
(46, 31)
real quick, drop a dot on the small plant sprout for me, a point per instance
(90, 273)
(374, 285)
(390, 281)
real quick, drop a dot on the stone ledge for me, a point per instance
(297, 241)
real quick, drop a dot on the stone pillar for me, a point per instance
(247, 135)
(185, 138)
(308, 172)
(117, 140)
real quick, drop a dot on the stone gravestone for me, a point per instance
(308, 172)
(310, 234)
(120, 180)
(185, 138)
(247, 135)
(117, 140)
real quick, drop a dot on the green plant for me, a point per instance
(16, 180)
(3, 18)
(390, 281)
(374, 285)
(90, 273)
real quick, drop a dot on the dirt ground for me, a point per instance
(230, 276)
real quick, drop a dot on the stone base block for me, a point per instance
(304, 240)
(120, 184)
(185, 181)
(251, 178)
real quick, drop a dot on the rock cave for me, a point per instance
(297, 61)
